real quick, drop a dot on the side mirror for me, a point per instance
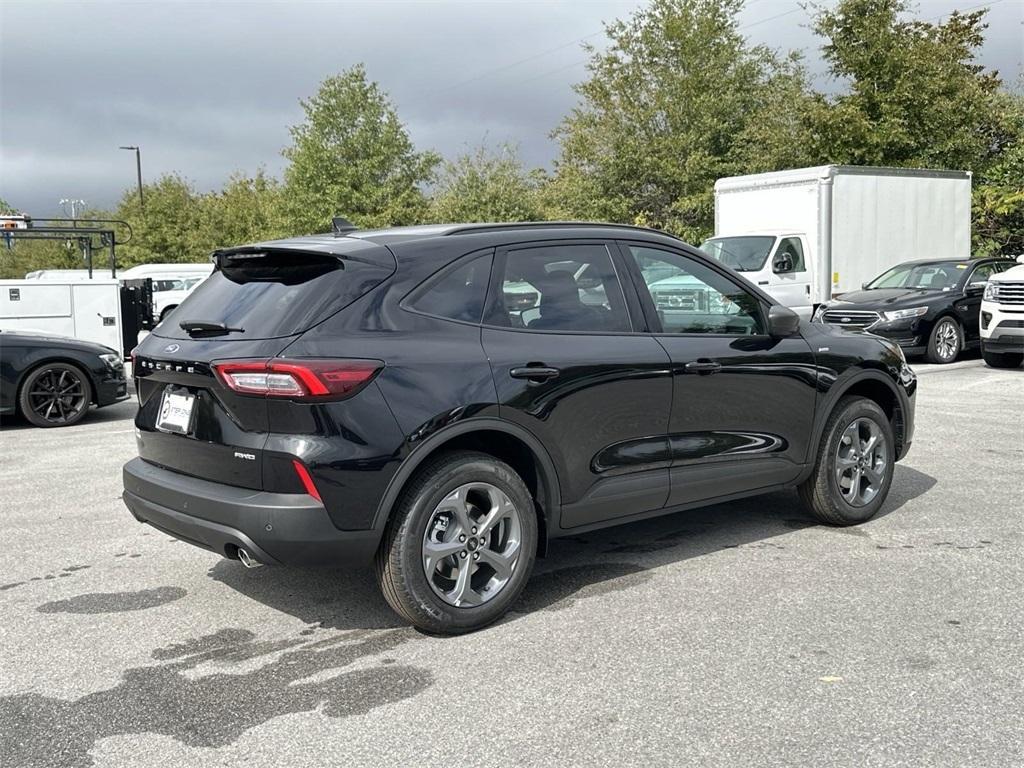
(975, 288)
(782, 321)
(782, 263)
(864, 286)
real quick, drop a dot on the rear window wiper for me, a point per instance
(202, 328)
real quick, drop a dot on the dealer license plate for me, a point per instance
(175, 412)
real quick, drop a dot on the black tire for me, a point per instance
(945, 331)
(166, 311)
(1002, 359)
(821, 493)
(400, 559)
(39, 399)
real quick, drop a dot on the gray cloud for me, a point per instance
(207, 89)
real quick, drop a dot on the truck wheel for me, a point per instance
(945, 342)
(460, 545)
(55, 395)
(855, 465)
(1002, 359)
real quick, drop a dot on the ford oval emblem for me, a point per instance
(172, 348)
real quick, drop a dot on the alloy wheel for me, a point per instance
(862, 460)
(57, 395)
(947, 340)
(472, 544)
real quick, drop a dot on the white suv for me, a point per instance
(1002, 318)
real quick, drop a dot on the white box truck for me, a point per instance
(89, 310)
(808, 234)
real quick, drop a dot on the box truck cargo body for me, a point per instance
(89, 310)
(808, 234)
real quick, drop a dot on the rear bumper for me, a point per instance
(276, 528)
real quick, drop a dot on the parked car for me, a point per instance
(372, 397)
(1002, 318)
(52, 380)
(927, 307)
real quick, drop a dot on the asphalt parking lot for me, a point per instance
(739, 635)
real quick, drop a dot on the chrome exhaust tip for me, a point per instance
(247, 559)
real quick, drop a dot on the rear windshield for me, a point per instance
(274, 293)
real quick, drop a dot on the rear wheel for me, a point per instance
(945, 342)
(55, 395)
(460, 546)
(855, 465)
(1002, 359)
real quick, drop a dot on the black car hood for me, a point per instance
(890, 298)
(54, 341)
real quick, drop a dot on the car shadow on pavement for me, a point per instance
(107, 414)
(576, 567)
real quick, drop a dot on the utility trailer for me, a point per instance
(808, 234)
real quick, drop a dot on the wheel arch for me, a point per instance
(505, 441)
(872, 385)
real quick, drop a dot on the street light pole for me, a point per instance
(138, 171)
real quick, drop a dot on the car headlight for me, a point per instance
(991, 292)
(113, 361)
(903, 314)
(819, 313)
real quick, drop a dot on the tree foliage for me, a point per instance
(353, 157)
(485, 186)
(666, 111)
(675, 100)
(915, 95)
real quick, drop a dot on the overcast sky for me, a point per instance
(209, 88)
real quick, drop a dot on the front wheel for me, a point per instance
(1002, 359)
(460, 546)
(55, 395)
(945, 342)
(855, 465)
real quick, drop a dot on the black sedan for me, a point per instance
(927, 307)
(52, 380)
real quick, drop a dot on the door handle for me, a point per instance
(534, 372)
(704, 367)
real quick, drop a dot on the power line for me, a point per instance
(517, 63)
(563, 46)
(962, 11)
(738, 29)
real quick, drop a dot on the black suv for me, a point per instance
(444, 400)
(927, 307)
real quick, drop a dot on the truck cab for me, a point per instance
(778, 262)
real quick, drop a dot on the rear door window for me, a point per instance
(275, 292)
(560, 287)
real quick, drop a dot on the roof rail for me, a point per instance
(488, 227)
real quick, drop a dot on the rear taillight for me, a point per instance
(297, 379)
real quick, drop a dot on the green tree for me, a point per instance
(998, 225)
(677, 100)
(914, 94)
(485, 186)
(352, 157)
(246, 210)
(170, 230)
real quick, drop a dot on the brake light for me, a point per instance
(307, 480)
(297, 379)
